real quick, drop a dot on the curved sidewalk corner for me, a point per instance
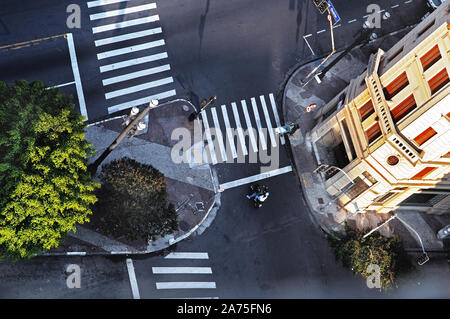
(296, 97)
(191, 186)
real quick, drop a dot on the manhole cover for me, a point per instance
(186, 108)
(320, 200)
(183, 225)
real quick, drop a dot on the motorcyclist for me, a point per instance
(259, 195)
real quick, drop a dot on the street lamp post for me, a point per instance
(327, 168)
(422, 259)
(135, 124)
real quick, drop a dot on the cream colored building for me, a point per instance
(389, 130)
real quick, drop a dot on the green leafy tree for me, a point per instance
(358, 253)
(133, 202)
(45, 189)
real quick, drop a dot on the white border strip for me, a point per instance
(141, 101)
(186, 285)
(76, 75)
(181, 270)
(133, 281)
(128, 36)
(124, 24)
(254, 178)
(132, 62)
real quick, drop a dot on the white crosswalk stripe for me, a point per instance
(131, 49)
(133, 63)
(134, 75)
(218, 134)
(139, 87)
(261, 136)
(268, 121)
(229, 133)
(98, 3)
(251, 133)
(277, 117)
(119, 12)
(124, 24)
(127, 36)
(190, 281)
(239, 131)
(208, 137)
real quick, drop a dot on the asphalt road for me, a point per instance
(235, 50)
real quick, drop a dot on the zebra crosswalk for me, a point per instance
(226, 138)
(183, 275)
(130, 49)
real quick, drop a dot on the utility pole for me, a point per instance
(204, 104)
(135, 124)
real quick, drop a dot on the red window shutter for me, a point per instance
(373, 132)
(430, 58)
(424, 172)
(425, 136)
(366, 110)
(399, 83)
(438, 81)
(404, 108)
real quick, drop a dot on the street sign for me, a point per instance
(333, 11)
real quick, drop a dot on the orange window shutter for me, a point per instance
(425, 136)
(404, 108)
(430, 58)
(373, 132)
(366, 110)
(426, 171)
(438, 81)
(397, 85)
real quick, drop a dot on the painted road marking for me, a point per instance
(351, 21)
(251, 133)
(186, 285)
(124, 24)
(219, 135)
(209, 138)
(240, 130)
(137, 88)
(142, 101)
(127, 36)
(321, 31)
(115, 13)
(133, 282)
(137, 74)
(181, 270)
(76, 75)
(60, 85)
(268, 121)
(98, 3)
(304, 38)
(255, 178)
(134, 48)
(229, 132)
(275, 114)
(262, 138)
(132, 62)
(189, 255)
(395, 6)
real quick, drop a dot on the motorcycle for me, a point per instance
(258, 194)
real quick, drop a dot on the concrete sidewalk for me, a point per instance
(296, 96)
(192, 189)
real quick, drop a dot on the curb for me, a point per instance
(197, 229)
